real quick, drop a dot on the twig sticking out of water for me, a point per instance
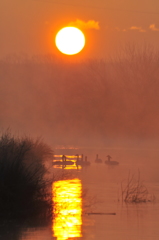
(134, 190)
(100, 213)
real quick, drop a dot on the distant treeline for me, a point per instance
(82, 102)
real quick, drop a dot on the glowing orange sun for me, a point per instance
(70, 40)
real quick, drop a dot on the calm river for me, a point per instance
(97, 189)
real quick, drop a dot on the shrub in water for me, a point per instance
(134, 191)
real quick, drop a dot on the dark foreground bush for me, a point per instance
(23, 188)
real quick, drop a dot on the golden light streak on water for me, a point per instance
(67, 167)
(68, 156)
(67, 199)
(72, 158)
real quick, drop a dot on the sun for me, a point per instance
(70, 40)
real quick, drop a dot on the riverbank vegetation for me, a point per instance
(23, 186)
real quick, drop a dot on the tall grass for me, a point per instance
(23, 188)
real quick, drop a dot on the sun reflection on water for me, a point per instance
(67, 167)
(72, 158)
(67, 201)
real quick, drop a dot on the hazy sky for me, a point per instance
(29, 26)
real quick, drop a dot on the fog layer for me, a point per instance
(84, 103)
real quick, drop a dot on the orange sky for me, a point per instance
(29, 26)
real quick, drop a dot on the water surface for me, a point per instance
(97, 188)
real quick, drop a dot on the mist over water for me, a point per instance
(91, 103)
